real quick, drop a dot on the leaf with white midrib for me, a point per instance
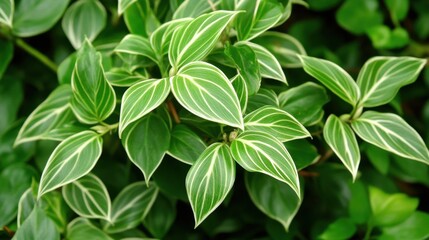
(136, 45)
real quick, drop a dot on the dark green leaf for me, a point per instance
(378, 157)
(140, 19)
(65, 69)
(11, 96)
(37, 226)
(6, 48)
(185, 145)
(161, 216)
(359, 205)
(82, 228)
(303, 153)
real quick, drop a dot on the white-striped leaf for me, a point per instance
(381, 77)
(72, 159)
(275, 122)
(136, 45)
(7, 7)
(268, 63)
(240, 88)
(123, 78)
(209, 180)
(185, 144)
(333, 77)
(259, 16)
(50, 114)
(82, 228)
(88, 197)
(123, 5)
(262, 98)
(161, 37)
(274, 198)
(140, 99)
(37, 226)
(260, 152)
(131, 206)
(205, 91)
(93, 97)
(146, 142)
(197, 38)
(194, 8)
(84, 19)
(341, 138)
(391, 133)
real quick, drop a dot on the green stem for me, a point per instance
(368, 232)
(35, 53)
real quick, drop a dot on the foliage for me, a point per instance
(141, 119)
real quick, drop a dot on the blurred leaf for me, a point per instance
(123, 5)
(413, 227)
(194, 8)
(65, 69)
(409, 171)
(342, 228)
(378, 157)
(11, 96)
(185, 145)
(357, 16)
(81, 228)
(359, 204)
(37, 226)
(398, 9)
(175, 189)
(421, 26)
(161, 216)
(6, 48)
(322, 5)
(7, 7)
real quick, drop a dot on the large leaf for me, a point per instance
(275, 122)
(84, 19)
(185, 144)
(413, 227)
(88, 197)
(194, 8)
(140, 99)
(82, 228)
(161, 37)
(131, 206)
(341, 138)
(48, 13)
(381, 77)
(333, 77)
(7, 7)
(72, 159)
(136, 45)
(391, 133)
(274, 198)
(93, 97)
(161, 216)
(205, 91)
(37, 226)
(197, 38)
(260, 152)
(209, 180)
(146, 143)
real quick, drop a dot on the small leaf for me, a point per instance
(161, 37)
(185, 144)
(130, 207)
(381, 77)
(72, 159)
(398, 9)
(84, 19)
(391, 133)
(136, 45)
(194, 8)
(260, 152)
(122, 78)
(413, 227)
(161, 216)
(140, 19)
(25, 206)
(359, 205)
(37, 226)
(333, 77)
(262, 98)
(240, 87)
(357, 16)
(341, 138)
(205, 91)
(7, 7)
(275, 122)
(88, 197)
(342, 228)
(81, 228)
(65, 69)
(209, 180)
(123, 5)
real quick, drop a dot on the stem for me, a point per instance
(356, 112)
(368, 232)
(8, 231)
(35, 53)
(173, 112)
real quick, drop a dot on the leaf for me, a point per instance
(269, 65)
(342, 228)
(274, 198)
(6, 48)
(258, 17)
(357, 16)
(123, 5)
(25, 206)
(84, 19)
(140, 99)
(82, 228)
(333, 77)
(161, 37)
(262, 98)
(37, 226)
(302, 152)
(48, 13)
(205, 91)
(413, 227)
(122, 78)
(88, 197)
(341, 138)
(7, 7)
(391, 133)
(146, 143)
(197, 38)
(260, 152)
(50, 114)
(140, 19)
(209, 180)
(11, 98)
(359, 207)
(72, 159)
(240, 87)
(381, 77)
(65, 69)
(93, 97)
(136, 45)
(275, 122)
(379, 158)
(161, 216)
(398, 9)
(194, 8)
(185, 144)
(131, 206)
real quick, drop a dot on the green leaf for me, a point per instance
(161, 37)
(378, 157)
(391, 133)
(359, 205)
(381, 77)
(139, 141)
(136, 45)
(37, 226)
(209, 180)
(72, 159)
(25, 206)
(185, 144)
(7, 7)
(48, 13)
(65, 69)
(413, 227)
(205, 91)
(274, 198)
(122, 78)
(258, 17)
(333, 77)
(81, 228)
(342, 228)
(262, 98)
(93, 97)
(124, 4)
(284, 47)
(6, 48)
(194, 8)
(130, 207)
(140, 99)
(275, 122)
(161, 216)
(241, 89)
(140, 19)
(84, 19)
(260, 152)
(398, 9)
(303, 153)
(390, 209)
(88, 197)
(341, 138)
(321, 5)
(11, 97)
(196, 39)
(357, 16)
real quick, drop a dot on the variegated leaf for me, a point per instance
(161, 37)
(122, 78)
(123, 5)
(136, 45)
(82, 228)
(194, 8)
(262, 98)
(240, 88)
(185, 144)
(7, 7)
